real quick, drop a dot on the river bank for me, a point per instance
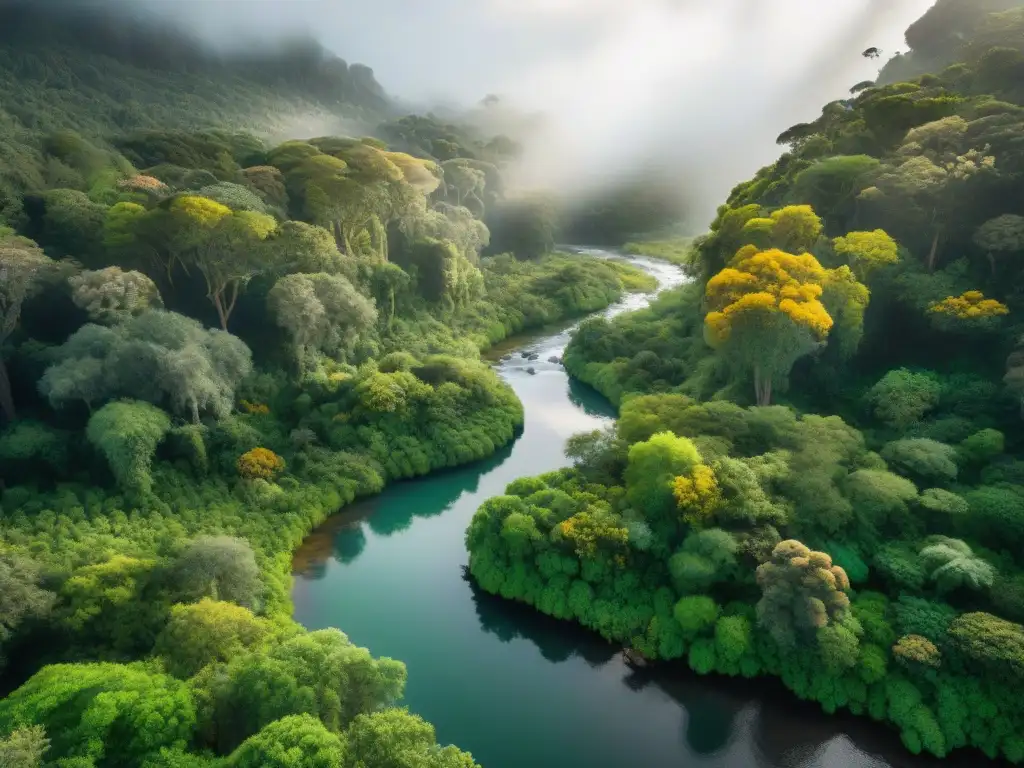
(517, 688)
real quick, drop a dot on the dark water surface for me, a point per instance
(516, 688)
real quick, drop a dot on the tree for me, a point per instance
(951, 564)
(127, 434)
(388, 283)
(106, 714)
(102, 606)
(269, 183)
(802, 591)
(188, 224)
(794, 228)
(765, 313)
(230, 255)
(395, 738)
(110, 294)
(206, 632)
(22, 597)
(696, 615)
(295, 741)
(23, 266)
(306, 248)
(158, 357)
(914, 652)
(831, 185)
(705, 558)
(73, 224)
(464, 180)
(697, 494)
(1001, 235)
(867, 251)
(933, 186)
(218, 567)
(321, 673)
(970, 309)
(651, 471)
(990, 645)
(259, 463)
(24, 748)
(234, 196)
(320, 312)
(922, 459)
(902, 397)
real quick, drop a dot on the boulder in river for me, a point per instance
(634, 658)
(555, 359)
(532, 371)
(524, 355)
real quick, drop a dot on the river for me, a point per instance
(516, 688)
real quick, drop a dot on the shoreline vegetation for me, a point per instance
(679, 251)
(210, 342)
(816, 474)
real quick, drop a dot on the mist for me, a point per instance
(697, 90)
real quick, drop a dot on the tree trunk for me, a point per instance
(219, 304)
(935, 249)
(6, 398)
(992, 263)
(762, 387)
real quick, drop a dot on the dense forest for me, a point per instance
(209, 342)
(817, 473)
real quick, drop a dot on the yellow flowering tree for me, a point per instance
(594, 530)
(792, 228)
(697, 494)
(867, 251)
(766, 313)
(259, 464)
(969, 310)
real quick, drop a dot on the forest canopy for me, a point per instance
(816, 471)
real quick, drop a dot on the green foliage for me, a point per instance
(111, 714)
(24, 748)
(922, 459)
(951, 564)
(802, 593)
(394, 738)
(295, 741)
(221, 567)
(22, 596)
(696, 615)
(674, 251)
(159, 357)
(127, 433)
(902, 397)
(207, 632)
(651, 468)
(322, 313)
(321, 673)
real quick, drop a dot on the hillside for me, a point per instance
(817, 473)
(65, 67)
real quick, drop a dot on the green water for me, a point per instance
(513, 687)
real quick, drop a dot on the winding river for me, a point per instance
(515, 688)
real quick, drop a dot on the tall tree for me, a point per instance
(1002, 235)
(321, 313)
(231, 256)
(22, 266)
(766, 313)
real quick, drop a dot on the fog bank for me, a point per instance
(699, 89)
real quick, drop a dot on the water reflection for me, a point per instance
(518, 688)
